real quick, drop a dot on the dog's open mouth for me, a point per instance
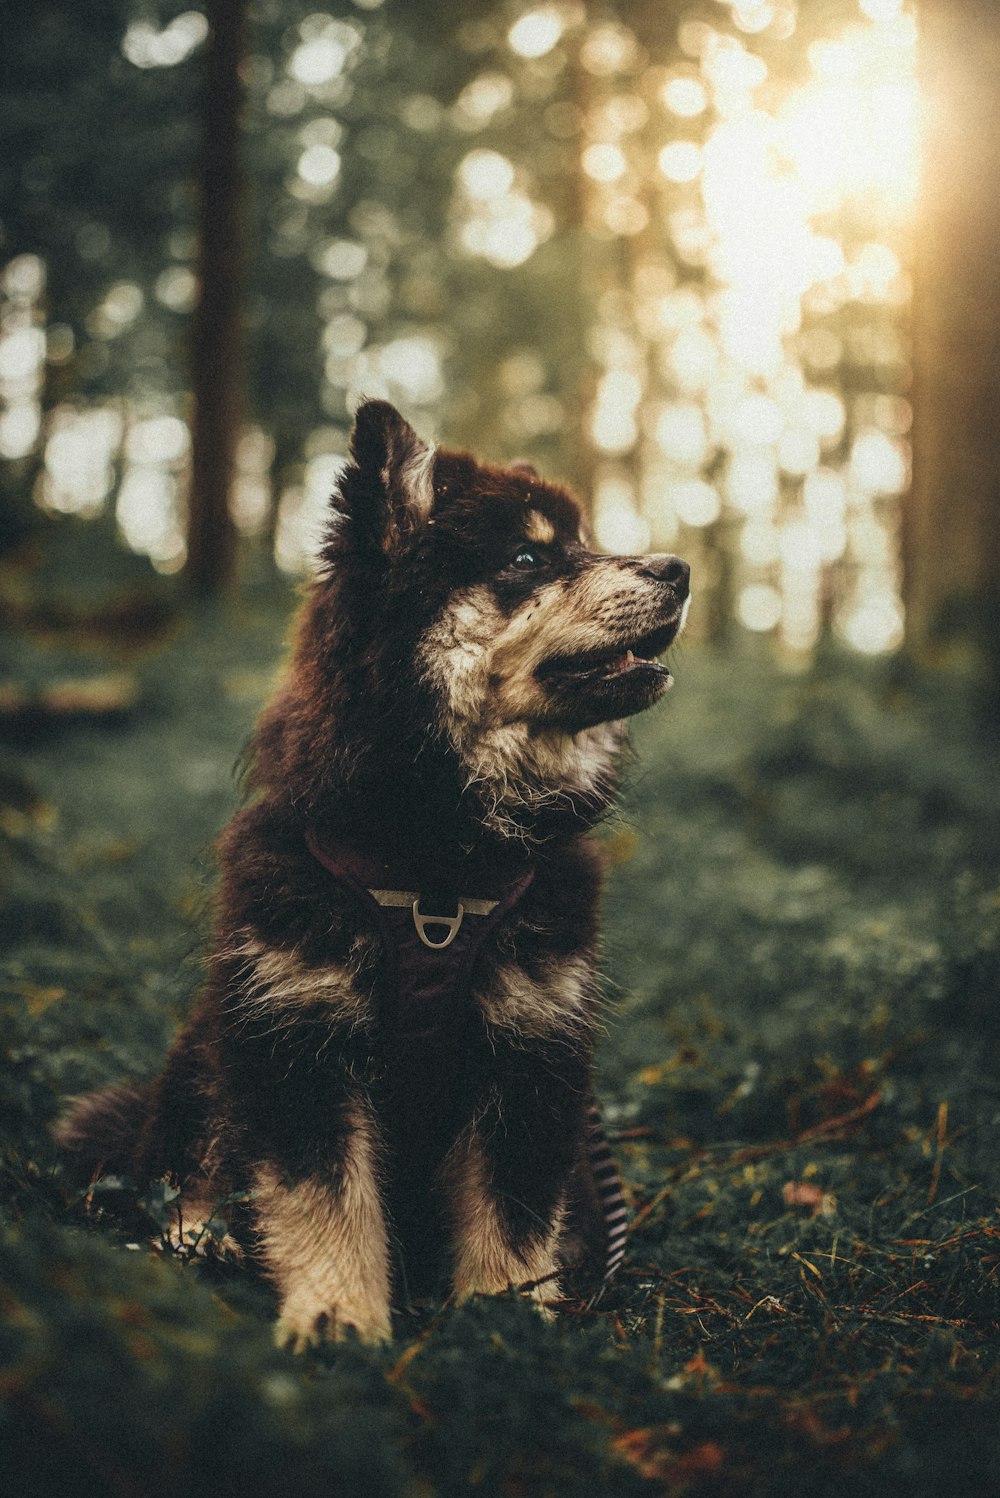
(637, 657)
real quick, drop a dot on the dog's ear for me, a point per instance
(393, 489)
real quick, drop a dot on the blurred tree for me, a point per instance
(94, 179)
(362, 127)
(96, 158)
(952, 534)
(216, 371)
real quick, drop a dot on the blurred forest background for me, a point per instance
(667, 251)
(728, 268)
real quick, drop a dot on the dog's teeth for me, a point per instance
(629, 657)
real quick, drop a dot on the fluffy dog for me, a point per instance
(390, 1063)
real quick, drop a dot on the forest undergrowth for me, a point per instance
(799, 1072)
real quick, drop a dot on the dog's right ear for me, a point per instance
(389, 491)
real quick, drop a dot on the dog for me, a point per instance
(388, 1074)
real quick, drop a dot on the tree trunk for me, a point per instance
(211, 536)
(952, 524)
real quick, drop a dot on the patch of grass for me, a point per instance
(800, 1072)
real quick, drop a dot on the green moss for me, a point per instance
(800, 1069)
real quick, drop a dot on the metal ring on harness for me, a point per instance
(453, 923)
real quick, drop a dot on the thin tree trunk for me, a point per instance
(952, 522)
(216, 344)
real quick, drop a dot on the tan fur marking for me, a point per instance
(510, 762)
(511, 767)
(483, 666)
(560, 1006)
(559, 620)
(485, 1264)
(417, 478)
(538, 527)
(472, 646)
(280, 980)
(326, 1247)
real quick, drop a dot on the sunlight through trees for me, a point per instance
(665, 252)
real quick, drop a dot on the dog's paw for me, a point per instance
(294, 1338)
(301, 1326)
(543, 1294)
(545, 1297)
(201, 1240)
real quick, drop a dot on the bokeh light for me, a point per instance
(146, 46)
(319, 165)
(536, 32)
(496, 219)
(23, 354)
(779, 282)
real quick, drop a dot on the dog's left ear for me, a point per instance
(394, 491)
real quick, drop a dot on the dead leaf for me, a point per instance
(806, 1194)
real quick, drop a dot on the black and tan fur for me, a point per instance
(455, 699)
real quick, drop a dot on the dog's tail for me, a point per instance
(99, 1134)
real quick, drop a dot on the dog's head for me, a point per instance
(475, 618)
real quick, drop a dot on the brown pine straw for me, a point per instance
(826, 1129)
(942, 1133)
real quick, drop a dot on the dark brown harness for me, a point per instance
(431, 957)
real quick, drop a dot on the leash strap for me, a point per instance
(607, 1183)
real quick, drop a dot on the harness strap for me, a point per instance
(428, 971)
(396, 899)
(399, 899)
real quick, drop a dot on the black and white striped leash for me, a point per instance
(611, 1198)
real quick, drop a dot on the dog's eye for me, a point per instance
(527, 558)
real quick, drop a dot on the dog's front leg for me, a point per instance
(492, 1251)
(294, 1069)
(505, 1180)
(324, 1242)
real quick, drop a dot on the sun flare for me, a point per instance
(779, 283)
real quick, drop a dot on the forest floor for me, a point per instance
(800, 1074)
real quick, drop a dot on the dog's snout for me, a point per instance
(668, 569)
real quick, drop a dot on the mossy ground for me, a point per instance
(800, 1071)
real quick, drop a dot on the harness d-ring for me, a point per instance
(453, 923)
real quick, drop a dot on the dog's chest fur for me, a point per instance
(314, 993)
(302, 940)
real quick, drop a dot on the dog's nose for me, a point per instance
(668, 569)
